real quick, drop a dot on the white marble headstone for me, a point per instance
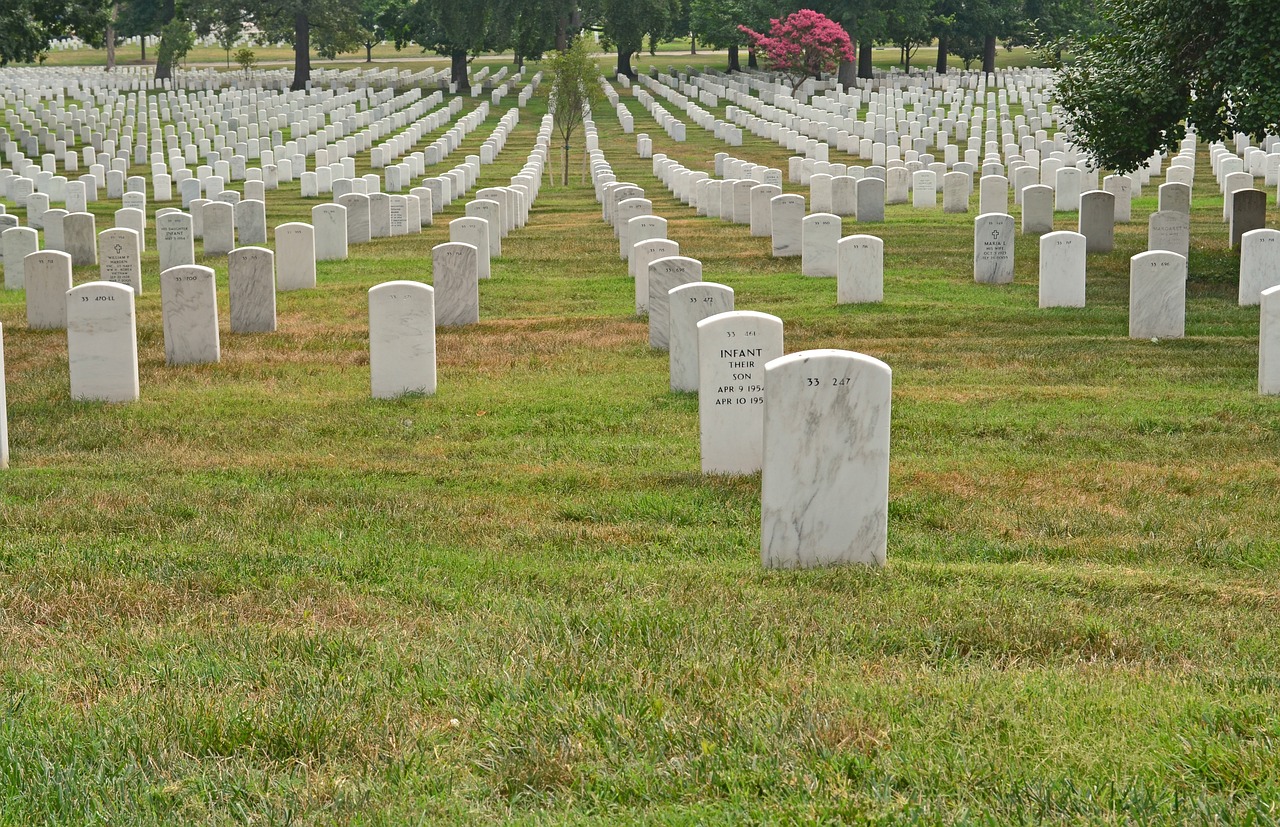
(733, 349)
(993, 248)
(48, 277)
(665, 274)
(102, 342)
(825, 477)
(860, 269)
(1062, 269)
(402, 339)
(189, 307)
(689, 304)
(1157, 295)
(455, 276)
(119, 260)
(251, 290)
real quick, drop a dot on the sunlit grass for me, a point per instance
(257, 595)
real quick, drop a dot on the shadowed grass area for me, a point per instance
(259, 596)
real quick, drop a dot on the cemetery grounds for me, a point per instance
(259, 596)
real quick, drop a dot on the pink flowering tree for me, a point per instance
(802, 45)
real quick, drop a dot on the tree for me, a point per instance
(624, 24)
(715, 23)
(574, 86)
(228, 27)
(459, 30)
(377, 18)
(909, 26)
(246, 60)
(334, 23)
(803, 45)
(1161, 65)
(28, 26)
(176, 39)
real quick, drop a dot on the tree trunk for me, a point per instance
(111, 39)
(752, 62)
(693, 43)
(301, 52)
(847, 74)
(564, 170)
(624, 62)
(865, 70)
(458, 71)
(162, 72)
(734, 65)
(143, 40)
(941, 67)
(653, 45)
(562, 34)
(368, 52)
(989, 54)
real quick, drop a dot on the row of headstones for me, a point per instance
(833, 432)
(722, 130)
(403, 315)
(248, 148)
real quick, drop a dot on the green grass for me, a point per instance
(258, 596)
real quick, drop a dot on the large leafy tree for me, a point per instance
(333, 24)
(1161, 65)
(624, 25)
(715, 23)
(909, 25)
(28, 26)
(866, 21)
(459, 30)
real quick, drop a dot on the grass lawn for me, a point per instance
(258, 596)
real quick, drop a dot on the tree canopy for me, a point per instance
(1159, 65)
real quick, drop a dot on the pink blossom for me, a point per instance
(803, 45)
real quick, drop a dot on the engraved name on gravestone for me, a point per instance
(825, 472)
(733, 349)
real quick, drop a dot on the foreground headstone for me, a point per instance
(689, 304)
(48, 276)
(16, 243)
(296, 252)
(4, 411)
(219, 228)
(330, 222)
(118, 257)
(733, 349)
(786, 221)
(402, 339)
(251, 290)
(1169, 230)
(825, 484)
(1259, 264)
(473, 231)
(1062, 269)
(189, 306)
(1098, 221)
(665, 274)
(1037, 209)
(80, 238)
(993, 248)
(1269, 343)
(821, 234)
(642, 255)
(175, 241)
(860, 270)
(102, 342)
(1157, 295)
(456, 277)
(1248, 212)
